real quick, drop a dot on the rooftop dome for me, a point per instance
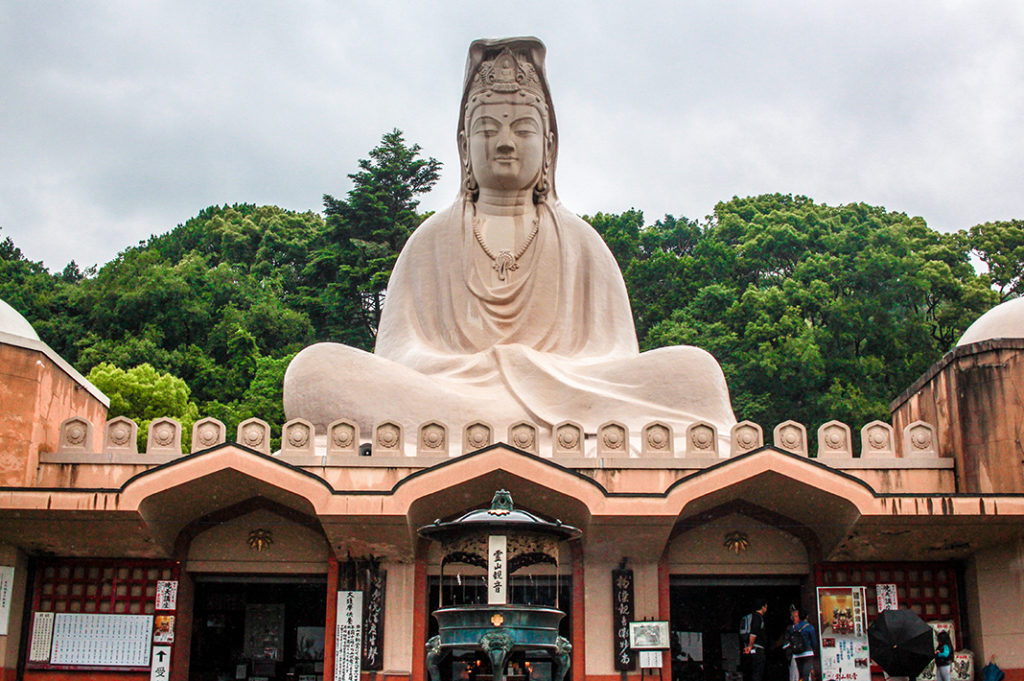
(13, 323)
(1005, 320)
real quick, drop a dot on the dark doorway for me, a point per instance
(712, 608)
(471, 665)
(270, 627)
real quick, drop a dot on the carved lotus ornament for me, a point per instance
(746, 437)
(432, 436)
(74, 434)
(119, 434)
(298, 435)
(387, 436)
(478, 436)
(878, 437)
(921, 438)
(835, 437)
(789, 437)
(702, 437)
(523, 437)
(207, 434)
(613, 437)
(657, 437)
(343, 436)
(163, 434)
(568, 437)
(252, 435)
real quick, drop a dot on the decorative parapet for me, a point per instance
(568, 440)
(75, 436)
(433, 439)
(523, 435)
(701, 440)
(877, 440)
(164, 437)
(656, 440)
(919, 440)
(612, 439)
(254, 433)
(388, 440)
(342, 438)
(121, 437)
(834, 440)
(477, 436)
(745, 436)
(297, 438)
(791, 436)
(207, 433)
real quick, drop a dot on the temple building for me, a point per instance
(126, 563)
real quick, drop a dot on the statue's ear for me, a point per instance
(463, 146)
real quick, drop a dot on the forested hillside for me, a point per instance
(815, 312)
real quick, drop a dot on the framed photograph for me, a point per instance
(648, 635)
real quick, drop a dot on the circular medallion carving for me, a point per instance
(523, 437)
(252, 435)
(478, 436)
(657, 437)
(789, 437)
(387, 436)
(746, 437)
(835, 437)
(298, 435)
(433, 437)
(613, 437)
(921, 438)
(163, 434)
(568, 437)
(343, 436)
(878, 438)
(119, 434)
(702, 437)
(207, 434)
(74, 434)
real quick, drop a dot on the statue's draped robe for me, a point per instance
(554, 342)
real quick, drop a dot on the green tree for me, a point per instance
(142, 394)
(1000, 245)
(365, 232)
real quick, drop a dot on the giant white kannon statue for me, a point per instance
(506, 306)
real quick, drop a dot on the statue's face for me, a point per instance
(506, 145)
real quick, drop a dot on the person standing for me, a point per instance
(943, 656)
(801, 641)
(752, 638)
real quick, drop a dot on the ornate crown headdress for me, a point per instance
(507, 73)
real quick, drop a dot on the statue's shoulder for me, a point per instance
(437, 225)
(582, 230)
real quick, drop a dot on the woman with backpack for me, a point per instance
(801, 640)
(943, 656)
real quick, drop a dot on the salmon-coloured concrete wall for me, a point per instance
(36, 395)
(973, 398)
(995, 590)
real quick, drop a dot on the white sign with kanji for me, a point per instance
(497, 569)
(161, 668)
(348, 638)
(166, 594)
(6, 586)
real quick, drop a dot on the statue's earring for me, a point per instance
(543, 186)
(468, 181)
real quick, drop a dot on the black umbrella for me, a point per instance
(901, 643)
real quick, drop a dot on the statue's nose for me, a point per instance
(505, 142)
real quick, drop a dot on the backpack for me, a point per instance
(797, 642)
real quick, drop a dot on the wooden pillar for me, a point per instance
(579, 615)
(665, 611)
(420, 614)
(330, 625)
(183, 623)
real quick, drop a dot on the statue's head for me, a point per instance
(507, 131)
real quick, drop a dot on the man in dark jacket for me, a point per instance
(752, 639)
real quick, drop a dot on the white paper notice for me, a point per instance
(166, 594)
(497, 562)
(6, 586)
(348, 641)
(887, 597)
(161, 668)
(102, 640)
(42, 637)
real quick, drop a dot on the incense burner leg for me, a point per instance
(435, 653)
(562, 659)
(497, 645)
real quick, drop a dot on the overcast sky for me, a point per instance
(119, 120)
